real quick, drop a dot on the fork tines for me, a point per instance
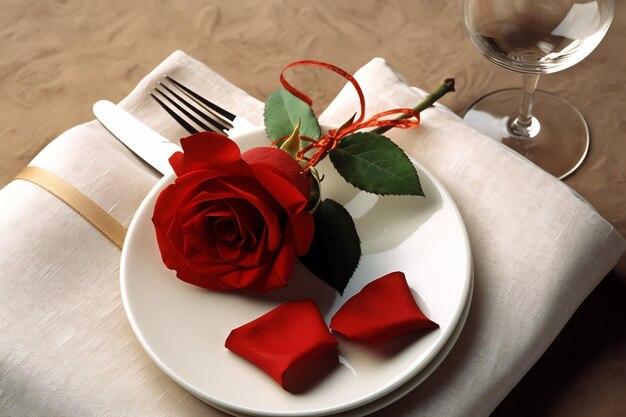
(192, 111)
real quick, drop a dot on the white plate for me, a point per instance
(421, 376)
(183, 327)
(405, 389)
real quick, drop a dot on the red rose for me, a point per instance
(232, 221)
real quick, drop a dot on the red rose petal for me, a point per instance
(216, 190)
(211, 148)
(207, 151)
(283, 266)
(383, 309)
(281, 163)
(293, 203)
(290, 335)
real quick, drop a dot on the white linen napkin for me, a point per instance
(538, 250)
(67, 348)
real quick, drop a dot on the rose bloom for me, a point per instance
(230, 220)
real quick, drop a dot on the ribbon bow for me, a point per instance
(409, 117)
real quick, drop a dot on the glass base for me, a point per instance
(559, 139)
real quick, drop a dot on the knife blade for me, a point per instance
(139, 138)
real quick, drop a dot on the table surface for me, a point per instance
(59, 57)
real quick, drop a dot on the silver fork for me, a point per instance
(194, 112)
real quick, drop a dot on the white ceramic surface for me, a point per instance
(398, 393)
(183, 327)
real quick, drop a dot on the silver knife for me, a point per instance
(139, 138)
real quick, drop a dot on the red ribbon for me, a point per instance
(328, 142)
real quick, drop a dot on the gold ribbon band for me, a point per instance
(78, 201)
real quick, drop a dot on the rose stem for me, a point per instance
(444, 88)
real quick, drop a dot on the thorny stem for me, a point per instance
(444, 88)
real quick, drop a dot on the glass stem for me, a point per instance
(524, 125)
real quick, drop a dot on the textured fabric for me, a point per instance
(92, 212)
(67, 349)
(538, 251)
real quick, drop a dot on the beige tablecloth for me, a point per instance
(67, 348)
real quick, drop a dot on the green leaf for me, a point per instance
(375, 164)
(336, 249)
(282, 112)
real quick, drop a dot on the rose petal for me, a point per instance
(250, 218)
(199, 230)
(167, 203)
(194, 218)
(383, 309)
(207, 151)
(303, 225)
(283, 265)
(290, 335)
(236, 277)
(211, 148)
(281, 163)
(288, 196)
(250, 222)
(284, 192)
(267, 207)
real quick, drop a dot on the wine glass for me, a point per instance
(535, 37)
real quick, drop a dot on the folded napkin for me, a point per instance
(67, 348)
